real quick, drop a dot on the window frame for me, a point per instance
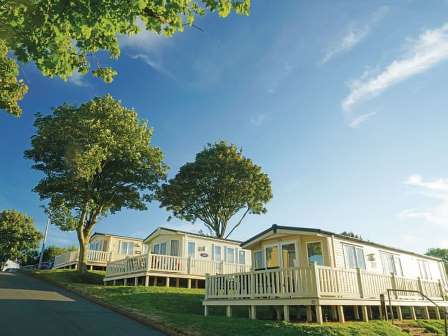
(194, 248)
(225, 254)
(425, 266)
(214, 246)
(265, 247)
(397, 269)
(263, 263)
(178, 247)
(355, 247)
(308, 254)
(239, 257)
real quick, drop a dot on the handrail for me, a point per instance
(423, 296)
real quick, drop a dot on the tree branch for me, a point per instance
(239, 222)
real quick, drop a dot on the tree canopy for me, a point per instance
(18, 235)
(439, 253)
(219, 184)
(97, 158)
(52, 251)
(62, 36)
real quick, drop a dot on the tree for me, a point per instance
(439, 253)
(220, 183)
(62, 36)
(18, 235)
(52, 251)
(97, 159)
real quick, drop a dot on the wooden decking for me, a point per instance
(70, 259)
(318, 286)
(156, 265)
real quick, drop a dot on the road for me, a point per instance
(33, 307)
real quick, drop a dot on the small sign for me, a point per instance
(204, 254)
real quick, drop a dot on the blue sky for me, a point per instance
(343, 104)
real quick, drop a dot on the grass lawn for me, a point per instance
(434, 326)
(181, 309)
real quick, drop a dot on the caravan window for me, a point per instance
(272, 256)
(191, 249)
(354, 257)
(174, 248)
(425, 271)
(289, 255)
(315, 254)
(163, 248)
(126, 248)
(242, 257)
(258, 260)
(216, 253)
(391, 264)
(229, 255)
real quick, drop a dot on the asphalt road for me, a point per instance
(33, 307)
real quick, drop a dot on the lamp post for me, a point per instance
(43, 244)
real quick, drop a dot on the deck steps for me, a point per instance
(413, 330)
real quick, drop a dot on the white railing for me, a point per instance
(316, 281)
(72, 257)
(170, 264)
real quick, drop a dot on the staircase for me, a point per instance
(413, 330)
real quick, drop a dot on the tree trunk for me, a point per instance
(83, 238)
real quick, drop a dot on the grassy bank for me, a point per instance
(181, 309)
(434, 326)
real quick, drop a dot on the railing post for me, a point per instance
(420, 285)
(359, 275)
(207, 284)
(441, 289)
(316, 278)
(189, 265)
(394, 285)
(148, 261)
(252, 284)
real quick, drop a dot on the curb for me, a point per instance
(138, 317)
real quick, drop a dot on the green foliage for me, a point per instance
(72, 278)
(439, 253)
(18, 235)
(52, 251)
(220, 183)
(97, 159)
(12, 90)
(60, 35)
(432, 326)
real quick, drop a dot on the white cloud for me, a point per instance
(153, 64)
(258, 119)
(356, 122)
(144, 40)
(421, 54)
(435, 189)
(146, 46)
(354, 34)
(78, 79)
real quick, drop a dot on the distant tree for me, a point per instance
(219, 184)
(439, 253)
(18, 235)
(52, 251)
(352, 235)
(61, 36)
(97, 159)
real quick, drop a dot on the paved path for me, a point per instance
(33, 307)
